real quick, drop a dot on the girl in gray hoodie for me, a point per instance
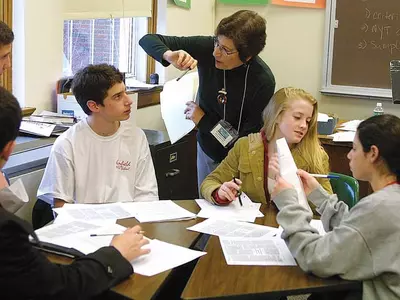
(361, 243)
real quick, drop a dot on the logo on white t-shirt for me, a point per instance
(123, 165)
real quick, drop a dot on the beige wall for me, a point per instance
(294, 51)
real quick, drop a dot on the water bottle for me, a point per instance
(378, 109)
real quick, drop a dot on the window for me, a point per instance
(112, 41)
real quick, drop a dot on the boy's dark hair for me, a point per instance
(10, 117)
(93, 82)
(6, 34)
(247, 30)
(384, 132)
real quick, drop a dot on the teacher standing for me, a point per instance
(235, 84)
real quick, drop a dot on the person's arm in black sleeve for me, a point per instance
(27, 273)
(156, 45)
(252, 116)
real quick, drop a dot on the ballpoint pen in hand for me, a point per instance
(108, 234)
(183, 74)
(239, 192)
(324, 176)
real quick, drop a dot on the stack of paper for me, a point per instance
(157, 211)
(350, 125)
(343, 136)
(248, 212)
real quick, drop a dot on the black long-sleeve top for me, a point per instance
(25, 273)
(260, 88)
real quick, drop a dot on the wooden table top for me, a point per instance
(144, 287)
(213, 278)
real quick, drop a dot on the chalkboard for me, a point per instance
(363, 36)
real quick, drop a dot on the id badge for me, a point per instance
(225, 133)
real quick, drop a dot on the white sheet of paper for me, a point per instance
(267, 251)
(76, 234)
(343, 136)
(93, 212)
(55, 231)
(232, 228)
(173, 100)
(350, 125)
(317, 224)
(37, 128)
(248, 212)
(163, 256)
(288, 170)
(323, 117)
(157, 211)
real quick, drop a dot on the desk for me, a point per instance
(143, 287)
(254, 281)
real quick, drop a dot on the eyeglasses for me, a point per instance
(221, 48)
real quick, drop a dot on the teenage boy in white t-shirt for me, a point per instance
(103, 158)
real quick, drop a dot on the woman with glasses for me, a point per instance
(235, 84)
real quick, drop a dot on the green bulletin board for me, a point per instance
(248, 2)
(183, 3)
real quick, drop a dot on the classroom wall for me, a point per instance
(38, 30)
(294, 51)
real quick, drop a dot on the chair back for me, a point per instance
(346, 188)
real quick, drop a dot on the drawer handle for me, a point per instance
(172, 173)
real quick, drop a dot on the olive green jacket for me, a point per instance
(246, 162)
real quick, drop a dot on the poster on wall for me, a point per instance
(247, 2)
(183, 3)
(301, 3)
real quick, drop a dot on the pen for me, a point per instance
(108, 234)
(239, 192)
(183, 74)
(324, 176)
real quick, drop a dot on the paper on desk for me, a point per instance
(317, 224)
(288, 170)
(267, 251)
(323, 117)
(156, 211)
(76, 235)
(248, 212)
(350, 125)
(134, 83)
(173, 100)
(163, 256)
(347, 136)
(95, 212)
(233, 228)
(37, 128)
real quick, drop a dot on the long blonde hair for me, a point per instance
(309, 147)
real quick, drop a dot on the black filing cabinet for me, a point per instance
(175, 165)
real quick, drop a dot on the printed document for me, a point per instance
(95, 212)
(233, 228)
(248, 212)
(173, 100)
(156, 211)
(266, 251)
(163, 256)
(288, 170)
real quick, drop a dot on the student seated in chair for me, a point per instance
(292, 114)
(362, 243)
(25, 273)
(103, 158)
